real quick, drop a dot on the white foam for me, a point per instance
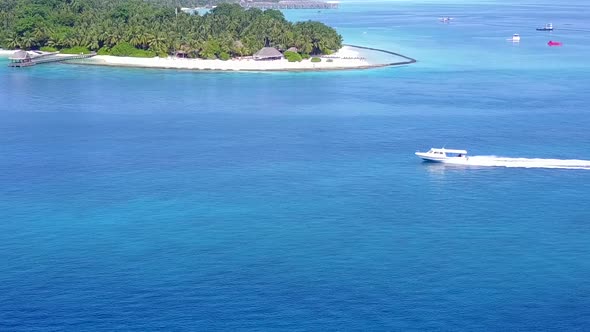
(494, 161)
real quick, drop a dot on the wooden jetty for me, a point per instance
(24, 58)
(291, 4)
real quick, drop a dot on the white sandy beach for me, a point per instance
(348, 57)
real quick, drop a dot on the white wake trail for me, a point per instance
(494, 161)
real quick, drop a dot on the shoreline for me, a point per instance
(294, 70)
(349, 57)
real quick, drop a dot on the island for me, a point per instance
(138, 33)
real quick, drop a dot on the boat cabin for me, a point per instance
(448, 153)
(515, 38)
(547, 27)
(444, 155)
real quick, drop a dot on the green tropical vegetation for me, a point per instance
(48, 49)
(75, 50)
(293, 56)
(149, 28)
(126, 49)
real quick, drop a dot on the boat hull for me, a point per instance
(428, 157)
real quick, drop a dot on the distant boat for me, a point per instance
(515, 38)
(554, 43)
(547, 27)
(443, 155)
(445, 19)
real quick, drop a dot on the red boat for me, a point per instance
(554, 43)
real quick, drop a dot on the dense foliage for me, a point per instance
(126, 49)
(75, 50)
(113, 26)
(293, 56)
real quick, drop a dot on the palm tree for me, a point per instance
(135, 40)
(39, 34)
(92, 43)
(238, 48)
(157, 42)
(114, 38)
(144, 38)
(27, 42)
(13, 42)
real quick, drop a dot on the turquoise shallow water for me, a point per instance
(164, 200)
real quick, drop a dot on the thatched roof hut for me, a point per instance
(292, 49)
(20, 55)
(268, 53)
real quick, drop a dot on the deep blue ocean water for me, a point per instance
(142, 200)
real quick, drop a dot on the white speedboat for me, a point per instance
(515, 38)
(444, 155)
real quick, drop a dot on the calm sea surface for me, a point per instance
(142, 200)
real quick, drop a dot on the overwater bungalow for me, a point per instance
(24, 58)
(21, 59)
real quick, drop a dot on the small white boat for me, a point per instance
(547, 27)
(515, 38)
(444, 155)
